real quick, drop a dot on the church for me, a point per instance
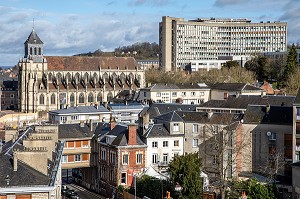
(52, 82)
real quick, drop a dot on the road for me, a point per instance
(84, 193)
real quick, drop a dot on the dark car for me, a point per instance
(69, 193)
(74, 196)
(64, 190)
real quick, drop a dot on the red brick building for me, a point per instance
(121, 155)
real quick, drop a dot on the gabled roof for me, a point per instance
(269, 115)
(33, 38)
(159, 86)
(81, 110)
(24, 176)
(233, 87)
(83, 63)
(183, 116)
(66, 131)
(242, 101)
(157, 109)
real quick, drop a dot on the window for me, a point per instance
(42, 99)
(195, 128)
(90, 97)
(85, 144)
(176, 154)
(154, 144)
(174, 94)
(12, 96)
(81, 98)
(74, 117)
(12, 102)
(145, 94)
(64, 159)
(165, 143)
(176, 142)
(103, 172)
(52, 100)
(139, 158)
(183, 93)
(72, 98)
(123, 178)
(112, 158)
(165, 158)
(125, 159)
(103, 154)
(63, 119)
(176, 127)
(154, 158)
(158, 94)
(193, 94)
(77, 158)
(40, 51)
(195, 143)
(99, 97)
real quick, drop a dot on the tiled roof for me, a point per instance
(269, 115)
(83, 63)
(33, 38)
(66, 131)
(24, 176)
(242, 101)
(81, 110)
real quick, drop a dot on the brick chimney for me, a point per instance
(131, 134)
(113, 123)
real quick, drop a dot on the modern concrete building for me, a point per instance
(182, 41)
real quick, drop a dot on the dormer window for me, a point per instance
(175, 127)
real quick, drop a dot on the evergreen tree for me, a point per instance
(291, 61)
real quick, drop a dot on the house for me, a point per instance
(296, 128)
(121, 156)
(163, 146)
(9, 96)
(171, 93)
(31, 164)
(75, 115)
(220, 91)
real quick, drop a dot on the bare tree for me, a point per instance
(225, 150)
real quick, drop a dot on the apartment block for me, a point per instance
(182, 41)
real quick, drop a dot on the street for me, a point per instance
(84, 193)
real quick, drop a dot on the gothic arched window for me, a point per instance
(90, 97)
(53, 98)
(30, 51)
(35, 51)
(42, 99)
(40, 51)
(99, 97)
(72, 98)
(81, 98)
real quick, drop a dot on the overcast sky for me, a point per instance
(69, 27)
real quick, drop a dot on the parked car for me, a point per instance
(74, 196)
(69, 193)
(64, 190)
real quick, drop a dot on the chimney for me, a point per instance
(81, 123)
(131, 134)
(113, 123)
(15, 164)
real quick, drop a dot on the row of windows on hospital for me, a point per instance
(81, 98)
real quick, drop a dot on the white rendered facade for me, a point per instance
(206, 39)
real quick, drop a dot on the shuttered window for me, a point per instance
(85, 157)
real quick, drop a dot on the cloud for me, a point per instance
(150, 2)
(292, 17)
(223, 3)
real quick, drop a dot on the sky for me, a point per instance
(69, 27)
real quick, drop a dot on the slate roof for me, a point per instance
(66, 131)
(242, 101)
(269, 115)
(81, 110)
(157, 109)
(83, 63)
(184, 116)
(129, 106)
(233, 87)
(176, 86)
(121, 133)
(158, 130)
(10, 85)
(33, 38)
(297, 99)
(24, 176)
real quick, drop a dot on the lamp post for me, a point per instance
(178, 188)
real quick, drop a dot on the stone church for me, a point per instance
(52, 82)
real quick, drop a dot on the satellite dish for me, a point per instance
(269, 133)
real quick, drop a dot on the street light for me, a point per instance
(178, 188)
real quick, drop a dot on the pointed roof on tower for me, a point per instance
(33, 38)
